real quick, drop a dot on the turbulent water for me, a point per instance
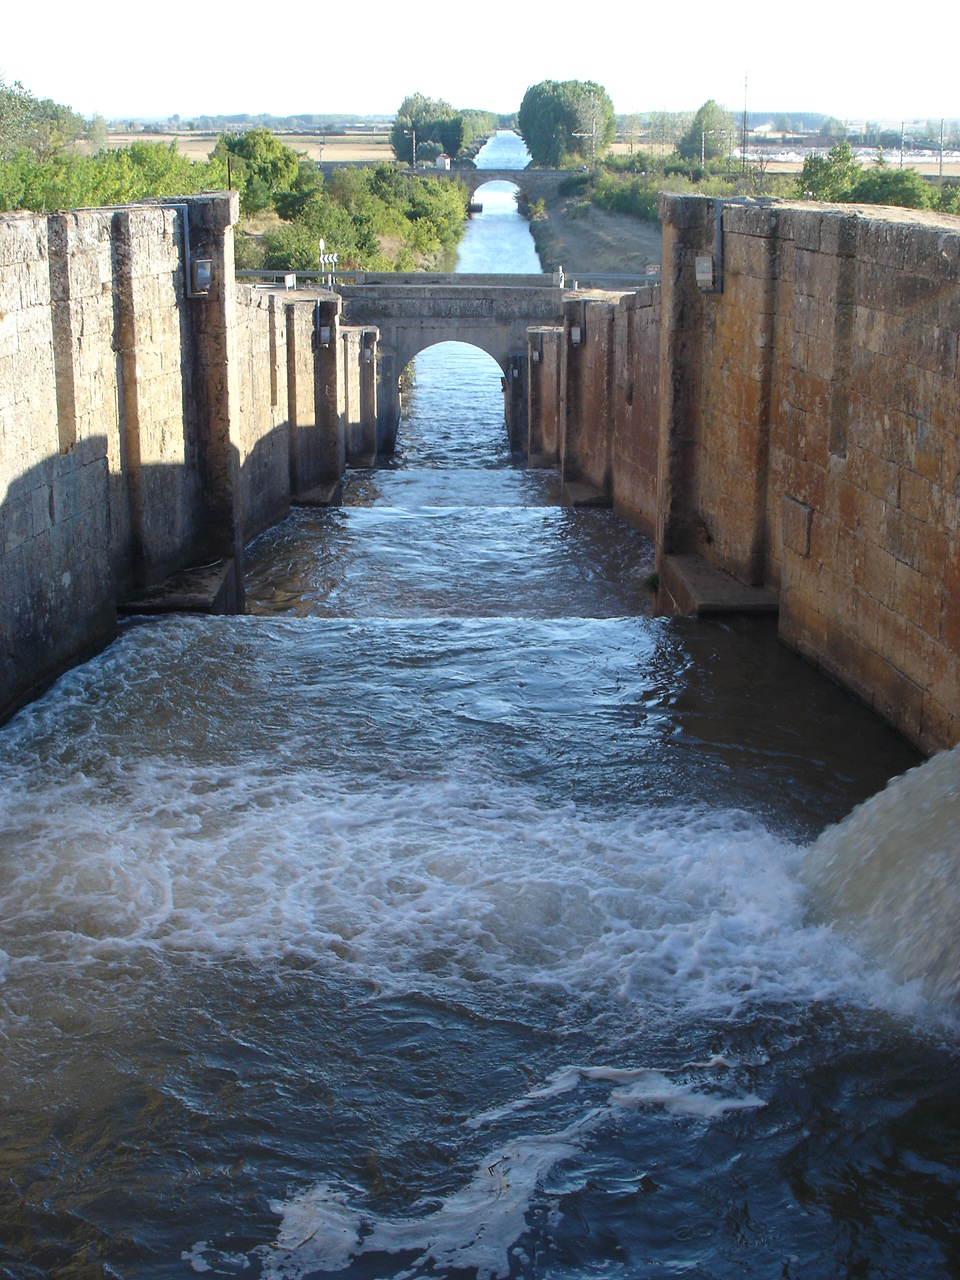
(446, 916)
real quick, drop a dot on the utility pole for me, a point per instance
(941, 146)
(902, 128)
(412, 133)
(592, 135)
(743, 134)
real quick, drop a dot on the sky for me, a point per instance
(220, 58)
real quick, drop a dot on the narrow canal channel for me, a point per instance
(442, 916)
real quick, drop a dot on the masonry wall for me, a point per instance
(264, 409)
(158, 510)
(636, 412)
(141, 429)
(809, 435)
(99, 463)
(56, 567)
(588, 392)
(544, 412)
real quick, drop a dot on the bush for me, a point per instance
(576, 184)
(885, 185)
(638, 197)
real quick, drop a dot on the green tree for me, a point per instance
(710, 134)
(666, 127)
(17, 107)
(262, 163)
(886, 185)
(566, 120)
(97, 133)
(829, 177)
(433, 120)
(833, 128)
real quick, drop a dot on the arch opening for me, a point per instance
(453, 406)
(498, 197)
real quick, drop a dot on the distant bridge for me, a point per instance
(415, 312)
(535, 184)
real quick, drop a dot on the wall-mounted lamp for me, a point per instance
(322, 333)
(201, 274)
(706, 275)
(367, 354)
(710, 266)
(535, 356)
(576, 335)
(198, 272)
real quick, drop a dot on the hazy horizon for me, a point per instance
(255, 63)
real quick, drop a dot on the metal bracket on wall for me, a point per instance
(718, 287)
(710, 270)
(322, 333)
(198, 271)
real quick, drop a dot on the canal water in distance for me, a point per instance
(445, 916)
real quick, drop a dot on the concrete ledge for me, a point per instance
(329, 494)
(206, 588)
(576, 494)
(690, 587)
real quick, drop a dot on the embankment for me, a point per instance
(583, 239)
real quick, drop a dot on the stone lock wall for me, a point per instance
(544, 365)
(264, 408)
(594, 398)
(100, 453)
(143, 430)
(636, 423)
(56, 563)
(796, 428)
(809, 435)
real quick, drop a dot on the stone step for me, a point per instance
(203, 588)
(577, 494)
(689, 587)
(328, 494)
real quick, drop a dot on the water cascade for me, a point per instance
(891, 870)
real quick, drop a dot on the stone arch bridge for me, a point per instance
(415, 312)
(534, 184)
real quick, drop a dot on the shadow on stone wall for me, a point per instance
(65, 574)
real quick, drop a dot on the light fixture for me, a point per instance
(705, 273)
(201, 270)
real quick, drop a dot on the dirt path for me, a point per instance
(580, 237)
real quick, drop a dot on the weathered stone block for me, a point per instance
(806, 229)
(838, 234)
(797, 525)
(881, 242)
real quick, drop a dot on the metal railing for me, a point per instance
(624, 282)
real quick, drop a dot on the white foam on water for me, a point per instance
(434, 884)
(479, 1226)
(637, 1086)
(890, 871)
